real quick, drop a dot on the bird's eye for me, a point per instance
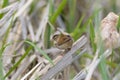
(68, 36)
(55, 37)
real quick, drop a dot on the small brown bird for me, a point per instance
(62, 40)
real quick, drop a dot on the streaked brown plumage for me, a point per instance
(63, 40)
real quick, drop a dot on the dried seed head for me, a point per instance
(109, 34)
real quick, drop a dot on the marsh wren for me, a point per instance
(62, 40)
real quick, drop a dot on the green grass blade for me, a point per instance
(41, 51)
(4, 46)
(51, 9)
(32, 7)
(1, 69)
(118, 24)
(83, 29)
(58, 11)
(5, 3)
(71, 19)
(18, 63)
(1, 63)
(79, 22)
(8, 30)
(103, 69)
(102, 64)
(48, 30)
(77, 29)
(47, 41)
(92, 36)
(113, 5)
